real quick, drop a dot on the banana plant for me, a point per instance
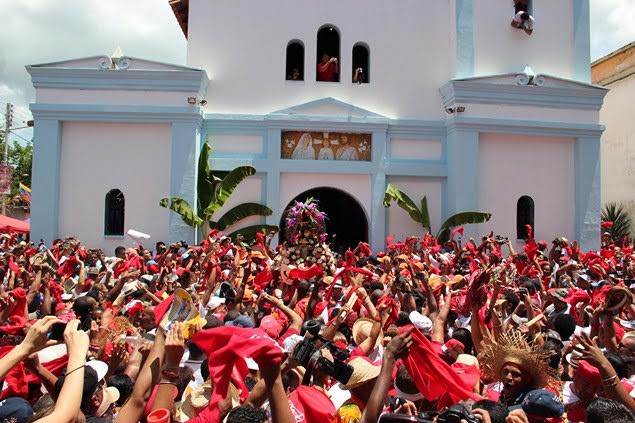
(212, 194)
(419, 213)
(618, 215)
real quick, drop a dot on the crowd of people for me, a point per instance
(459, 331)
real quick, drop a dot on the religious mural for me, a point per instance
(300, 145)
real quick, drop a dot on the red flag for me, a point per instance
(225, 346)
(433, 376)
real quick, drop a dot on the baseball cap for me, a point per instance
(542, 404)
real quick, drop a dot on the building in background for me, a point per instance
(616, 72)
(333, 100)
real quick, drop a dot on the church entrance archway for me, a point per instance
(346, 221)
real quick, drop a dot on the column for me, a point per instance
(464, 39)
(377, 224)
(183, 175)
(462, 186)
(581, 41)
(47, 145)
(588, 201)
(272, 152)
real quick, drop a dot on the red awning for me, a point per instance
(9, 224)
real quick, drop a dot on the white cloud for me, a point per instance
(39, 31)
(611, 25)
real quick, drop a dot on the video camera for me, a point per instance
(454, 414)
(307, 353)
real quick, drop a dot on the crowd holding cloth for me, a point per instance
(234, 331)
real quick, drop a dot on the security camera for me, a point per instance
(449, 110)
(202, 103)
(460, 109)
(191, 100)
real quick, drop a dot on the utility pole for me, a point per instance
(8, 121)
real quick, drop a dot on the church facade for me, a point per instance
(442, 99)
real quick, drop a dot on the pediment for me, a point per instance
(106, 62)
(329, 107)
(523, 88)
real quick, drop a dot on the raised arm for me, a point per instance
(397, 348)
(70, 398)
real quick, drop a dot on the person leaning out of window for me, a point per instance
(328, 68)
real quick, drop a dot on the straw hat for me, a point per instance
(618, 297)
(512, 348)
(361, 331)
(363, 371)
(196, 401)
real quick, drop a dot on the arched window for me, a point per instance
(295, 61)
(524, 216)
(328, 54)
(115, 212)
(361, 63)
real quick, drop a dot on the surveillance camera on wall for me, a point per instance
(202, 103)
(449, 110)
(460, 109)
(191, 100)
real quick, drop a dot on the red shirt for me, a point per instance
(327, 75)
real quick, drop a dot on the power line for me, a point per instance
(20, 136)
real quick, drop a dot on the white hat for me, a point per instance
(215, 302)
(290, 343)
(129, 288)
(99, 367)
(251, 364)
(421, 322)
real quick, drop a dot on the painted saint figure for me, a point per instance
(304, 150)
(346, 151)
(326, 152)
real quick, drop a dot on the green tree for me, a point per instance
(21, 158)
(420, 213)
(617, 213)
(212, 194)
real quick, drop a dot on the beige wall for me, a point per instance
(618, 143)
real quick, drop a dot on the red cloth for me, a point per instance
(262, 279)
(18, 380)
(68, 267)
(460, 230)
(19, 308)
(433, 376)
(162, 308)
(310, 405)
(306, 274)
(226, 347)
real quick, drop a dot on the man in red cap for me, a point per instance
(583, 388)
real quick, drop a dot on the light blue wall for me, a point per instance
(45, 179)
(185, 149)
(581, 41)
(588, 202)
(464, 39)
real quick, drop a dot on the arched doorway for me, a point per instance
(346, 221)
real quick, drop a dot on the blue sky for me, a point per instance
(37, 31)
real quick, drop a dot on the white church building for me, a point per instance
(452, 103)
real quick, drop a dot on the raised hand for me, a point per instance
(37, 336)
